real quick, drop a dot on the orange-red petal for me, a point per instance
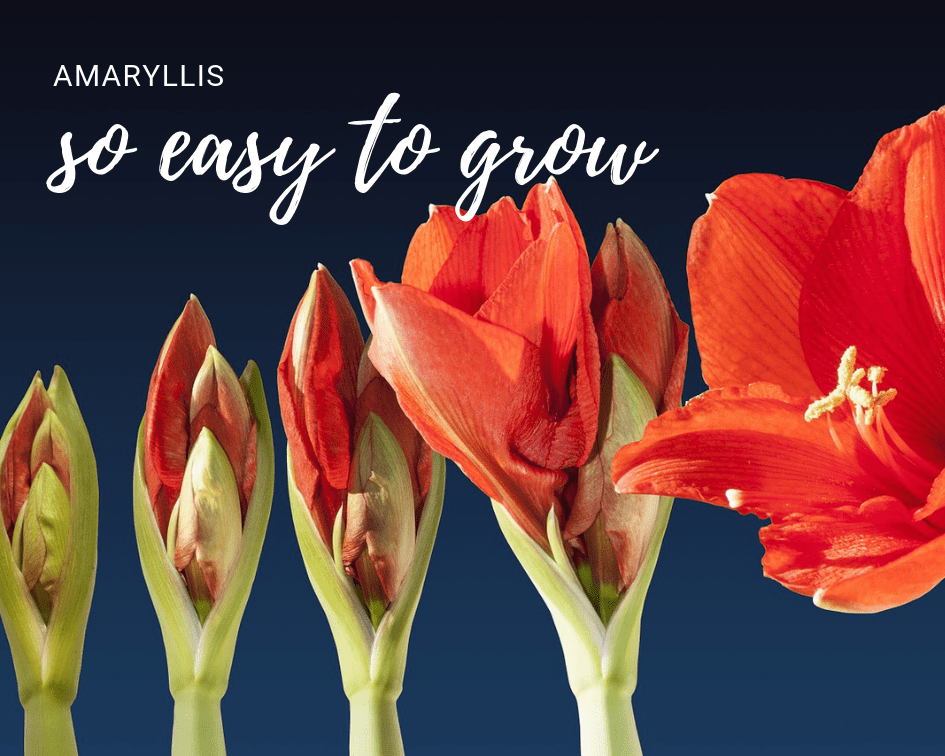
(474, 391)
(431, 246)
(751, 449)
(16, 473)
(862, 290)
(635, 317)
(855, 559)
(481, 257)
(891, 584)
(167, 416)
(545, 206)
(317, 395)
(747, 259)
(545, 299)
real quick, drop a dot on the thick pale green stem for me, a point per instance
(375, 729)
(198, 725)
(607, 724)
(48, 727)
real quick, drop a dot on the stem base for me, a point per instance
(375, 728)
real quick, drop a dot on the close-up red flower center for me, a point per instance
(895, 461)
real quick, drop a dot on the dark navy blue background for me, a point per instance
(92, 279)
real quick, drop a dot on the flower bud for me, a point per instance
(49, 507)
(352, 449)
(34, 480)
(205, 531)
(617, 543)
(380, 532)
(200, 457)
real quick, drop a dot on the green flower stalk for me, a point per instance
(366, 494)
(202, 494)
(49, 500)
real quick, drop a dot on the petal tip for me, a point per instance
(821, 602)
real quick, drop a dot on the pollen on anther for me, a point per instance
(866, 402)
(876, 374)
(824, 405)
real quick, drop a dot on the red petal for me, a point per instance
(431, 246)
(545, 207)
(747, 259)
(364, 281)
(15, 473)
(892, 584)
(317, 394)
(863, 559)
(167, 417)
(473, 390)
(922, 148)
(862, 290)
(635, 317)
(749, 448)
(545, 299)
(482, 255)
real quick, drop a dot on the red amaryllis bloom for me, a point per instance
(334, 403)
(835, 304)
(491, 342)
(198, 422)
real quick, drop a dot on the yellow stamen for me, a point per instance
(867, 402)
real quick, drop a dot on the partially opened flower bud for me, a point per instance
(643, 348)
(205, 530)
(202, 496)
(366, 494)
(200, 459)
(352, 449)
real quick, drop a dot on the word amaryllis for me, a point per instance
(529, 369)
(366, 493)
(49, 501)
(203, 490)
(820, 317)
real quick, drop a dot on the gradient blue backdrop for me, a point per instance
(731, 663)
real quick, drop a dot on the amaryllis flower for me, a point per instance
(34, 496)
(202, 495)
(199, 455)
(49, 503)
(366, 494)
(495, 341)
(340, 416)
(820, 317)
(529, 369)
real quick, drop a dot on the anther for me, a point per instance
(848, 387)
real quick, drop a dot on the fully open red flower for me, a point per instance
(836, 302)
(495, 339)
